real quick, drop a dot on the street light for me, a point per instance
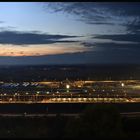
(123, 89)
(67, 87)
(122, 84)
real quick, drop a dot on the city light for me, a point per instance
(122, 84)
(10, 99)
(103, 92)
(67, 86)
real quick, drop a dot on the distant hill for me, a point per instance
(72, 72)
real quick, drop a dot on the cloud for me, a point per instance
(127, 43)
(134, 28)
(121, 47)
(105, 13)
(111, 46)
(32, 38)
(7, 28)
(2, 22)
(114, 42)
(134, 38)
(87, 12)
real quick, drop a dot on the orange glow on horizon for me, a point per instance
(37, 50)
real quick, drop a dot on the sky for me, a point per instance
(69, 33)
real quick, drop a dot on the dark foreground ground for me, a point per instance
(58, 108)
(98, 120)
(32, 73)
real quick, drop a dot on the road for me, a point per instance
(124, 114)
(74, 100)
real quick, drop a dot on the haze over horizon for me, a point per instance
(69, 33)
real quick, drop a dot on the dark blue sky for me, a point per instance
(69, 33)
